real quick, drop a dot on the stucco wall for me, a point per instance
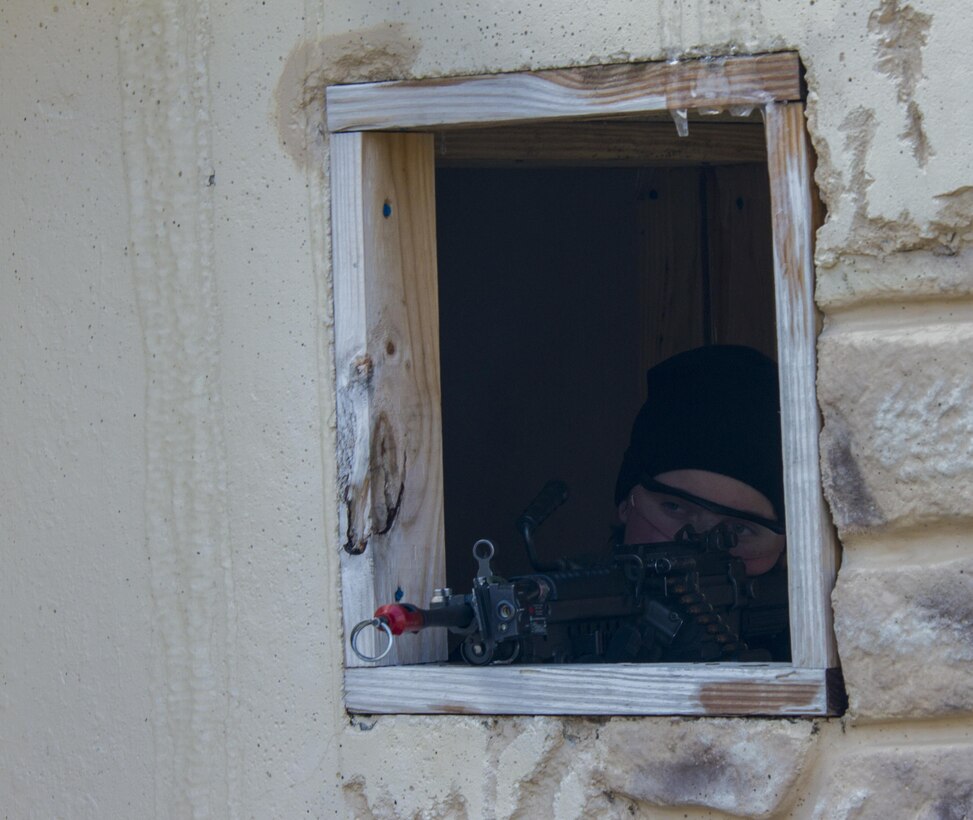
(170, 639)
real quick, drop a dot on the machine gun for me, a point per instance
(685, 600)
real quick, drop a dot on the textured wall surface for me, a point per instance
(169, 617)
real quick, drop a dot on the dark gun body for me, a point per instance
(682, 601)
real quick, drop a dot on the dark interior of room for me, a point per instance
(558, 288)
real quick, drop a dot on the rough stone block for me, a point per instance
(897, 443)
(854, 279)
(915, 781)
(745, 767)
(905, 637)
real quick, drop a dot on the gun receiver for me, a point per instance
(686, 600)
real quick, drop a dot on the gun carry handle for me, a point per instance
(554, 494)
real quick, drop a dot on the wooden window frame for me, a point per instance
(389, 445)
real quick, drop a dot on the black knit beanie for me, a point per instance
(714, 408)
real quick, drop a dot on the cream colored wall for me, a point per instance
(170, 640)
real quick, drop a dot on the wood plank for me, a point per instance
(812, 550)
(741, 259)
(669, 265)
(597, 144)
(590, 689)
(591, 92)
(389, 446)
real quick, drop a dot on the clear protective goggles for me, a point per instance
(671, 511)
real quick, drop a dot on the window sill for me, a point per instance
(773, 689)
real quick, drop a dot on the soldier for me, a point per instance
(705, 450)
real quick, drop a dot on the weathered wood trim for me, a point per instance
(812, 551)
(593, 92)
(595, 144)
(590, 689)
(389, 445)
(387, 362)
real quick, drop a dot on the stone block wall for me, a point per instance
(171, 638)
(894, 384)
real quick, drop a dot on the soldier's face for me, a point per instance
(652, 516)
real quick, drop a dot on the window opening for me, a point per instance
(388, 349)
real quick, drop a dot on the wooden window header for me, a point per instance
(602, 144)
(592, 92)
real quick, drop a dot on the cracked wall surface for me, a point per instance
(171, 640)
